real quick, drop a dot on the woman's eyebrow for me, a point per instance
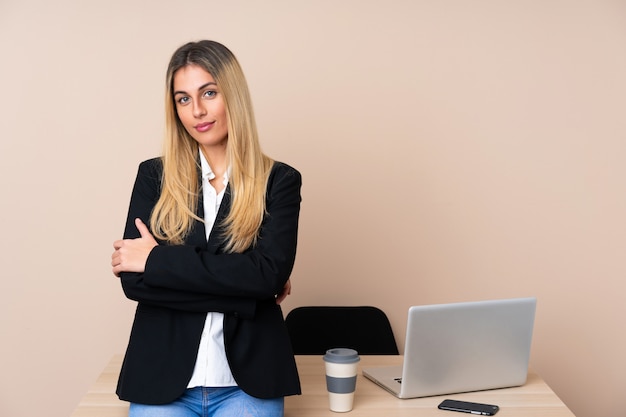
(202, 87)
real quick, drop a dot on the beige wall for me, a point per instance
(451, 150)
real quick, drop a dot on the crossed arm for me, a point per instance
(131, 255)
(194, 278)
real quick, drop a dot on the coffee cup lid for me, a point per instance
(341, 355)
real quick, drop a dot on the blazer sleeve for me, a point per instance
(258, 273)
(144, 196)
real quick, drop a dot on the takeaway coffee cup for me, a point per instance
(341, 370)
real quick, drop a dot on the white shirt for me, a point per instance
(211, 369)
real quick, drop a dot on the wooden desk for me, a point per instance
(534, 399)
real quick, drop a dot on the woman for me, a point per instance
(209, 244)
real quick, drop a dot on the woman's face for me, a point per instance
(200, 106)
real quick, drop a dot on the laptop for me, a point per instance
(462, 347)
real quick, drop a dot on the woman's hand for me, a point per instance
(284, 293)
(130, 255)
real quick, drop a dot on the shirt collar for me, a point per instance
(208, 173)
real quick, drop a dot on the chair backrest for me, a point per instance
(315, 329)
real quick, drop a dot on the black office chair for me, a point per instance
(315, 329)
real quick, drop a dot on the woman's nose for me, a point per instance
(198, 109)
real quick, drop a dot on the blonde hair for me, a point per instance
(175, 212)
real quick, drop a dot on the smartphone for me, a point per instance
(467, 407)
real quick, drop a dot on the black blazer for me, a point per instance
(181, 283)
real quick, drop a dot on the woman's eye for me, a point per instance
(210, 93)
(183, 100)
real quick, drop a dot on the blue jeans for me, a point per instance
(212, 402)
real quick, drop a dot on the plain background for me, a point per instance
(451, 151)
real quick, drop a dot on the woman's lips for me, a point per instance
(203, 127)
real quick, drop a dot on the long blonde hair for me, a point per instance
(175, 212)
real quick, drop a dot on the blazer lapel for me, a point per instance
(197, 236)
(216, 239)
